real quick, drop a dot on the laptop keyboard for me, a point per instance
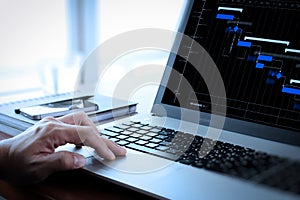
(208, 154)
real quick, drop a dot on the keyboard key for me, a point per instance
(136, 135)
(142, 132)
(151, 134)
(122, 137)
(165, 143)
(122, 142)
(173, 151)
(131, 139)
(141, 142)
(137, 125)
(199, 164)
(162, 137)
(155, 140)
(151, 145)
(108, 133)
(115, 139)
(114, 129)
(121, 126)
(162, 148)
(151, 151)
(133, 129)
(146, 128)
(165, 132)
(126, 132)
(145, 137)
(155, 130)
(128, 123)
(187, 161)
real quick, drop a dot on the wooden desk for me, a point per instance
(71, 185)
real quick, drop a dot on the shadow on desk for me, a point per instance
(71, 185)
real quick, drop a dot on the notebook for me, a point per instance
(184, 150)
(13, 122)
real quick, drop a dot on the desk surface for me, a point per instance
(73, 185)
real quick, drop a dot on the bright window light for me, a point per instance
(31, 31)
(120, 16)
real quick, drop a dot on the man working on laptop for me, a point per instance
(30, 157)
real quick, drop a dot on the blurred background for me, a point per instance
(44, 42)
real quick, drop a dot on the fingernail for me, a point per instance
(122, 149)
(79, 161)
(111, 155)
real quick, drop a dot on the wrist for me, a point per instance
(4, 166)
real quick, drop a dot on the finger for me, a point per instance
(100, 145)
(83, 134)
(115, 148)
(75, 119)
(78, 118)
(61, 161)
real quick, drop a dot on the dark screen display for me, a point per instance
(256, 47)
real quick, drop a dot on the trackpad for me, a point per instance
(136, 162)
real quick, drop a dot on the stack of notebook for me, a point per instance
(13, 122)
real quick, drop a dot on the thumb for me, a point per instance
(64, 160)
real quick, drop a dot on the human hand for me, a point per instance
(30, 156)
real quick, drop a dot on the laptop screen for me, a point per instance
(256, 47)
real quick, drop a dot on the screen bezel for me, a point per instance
(235, 125)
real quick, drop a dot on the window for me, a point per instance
(116, 17)
(33, 32)
(43, 40)
(120, 16)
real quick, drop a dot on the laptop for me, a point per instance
(229, 129)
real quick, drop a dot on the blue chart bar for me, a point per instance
(225, 16)
(291, 90)
(244, 44)
(260, 65)
(265, 58)
(278, 75)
